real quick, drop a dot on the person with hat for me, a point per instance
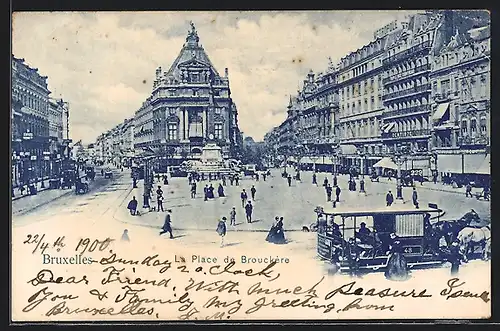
(272, 231)
(232, 216)
(166, 226)
(455, 257)
(353, 257)
(248, 211)
(389, 198)
(415, 198)
(397, 267)
(221, 230)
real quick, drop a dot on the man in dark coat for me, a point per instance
(132, 206)
(210, 192)
(159, 199)
(221, 230)
(389, 198)
(237, 180)
(415, 198)
(289, 179)
(335, 180)
(328, 190)
(362, 185)
(167, 227)
(205, 191)
(325, 182)
(314, 179)
(248, 211)
(468, 190)
(455, 257)
(243, 197)
(193, 190)
(337, 193)
(353, 258)
(264, 176)
(253, 190)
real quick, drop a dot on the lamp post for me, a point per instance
(399, 156)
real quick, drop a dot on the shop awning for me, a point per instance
(440, 111)
(449, 163)
(485, 168)
(387, 163)
(389, 127)
(349, 149)
(316, 160)
(472, 162)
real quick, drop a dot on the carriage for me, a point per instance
(90, 172)
(409, 224)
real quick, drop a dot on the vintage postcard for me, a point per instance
(238, 165)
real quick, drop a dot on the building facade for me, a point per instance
(418, 93)
(190, 105)
(30, 123)
(460, 105)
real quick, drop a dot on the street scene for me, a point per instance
(370, 161)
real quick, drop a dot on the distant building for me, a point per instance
(190, 105)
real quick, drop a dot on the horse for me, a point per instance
(470, 237)
(450, 229)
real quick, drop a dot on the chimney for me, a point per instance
(226, 72)
(158, 72)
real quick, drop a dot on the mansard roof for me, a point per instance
(191, 54)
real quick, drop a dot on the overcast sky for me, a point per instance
(104, 63)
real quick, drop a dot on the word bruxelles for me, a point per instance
(77, 259)
(243, 259)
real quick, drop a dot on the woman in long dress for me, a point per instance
(270, 234)
(397, 268)
(279, 236)
(221, 230)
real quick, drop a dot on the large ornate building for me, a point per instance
(190, 105)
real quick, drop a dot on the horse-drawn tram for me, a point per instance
(369, 232)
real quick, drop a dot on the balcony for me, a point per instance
(405, 74)
(405, 111)
(414, 90)
(426, 45)
(406, 134)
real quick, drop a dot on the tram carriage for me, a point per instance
(407, 223)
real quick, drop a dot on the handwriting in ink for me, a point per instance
(349, 289)
(216, 303)
(98, 294)
(266, 272)
(258, 289)
(451, 293)
(128, 309)
(90, 247)
(218, 285)
(36, 239)
(45, 276)
(356, 305)
(43, 295)
(306, 302)
(133, 297)
(114, 276)
(148, 261)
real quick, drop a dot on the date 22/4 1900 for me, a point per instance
(84, 244)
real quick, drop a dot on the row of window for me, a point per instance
(470, 87)
(173, 131)
(470, 128)
(358, 89)
(32, 102)
(362, 107)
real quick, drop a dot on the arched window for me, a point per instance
(464, 127)
(473, 126)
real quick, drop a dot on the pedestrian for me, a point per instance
(237, 180)
(264, 176)
(193, 190)
(224, 180)
(415, 198)
(397, 267)
(159, 199)
(211, 192)
(434, 177)
(486, 192)
(337, 193)
(314, 179)
(253, 190)
(231, 180)
(289, 179)
(325, 182)
(205, 191)
(455, 257)
(248, 211)
(220, 191)
(125, 236)
(257, 177)
(389, 198)
(328, 190)
(167, 227)
(165, 180)
(102, 172)
(468, 190)
(362, 186)
(132, 206)
(232, 216)
(389, 175)
(221, 230)
(335, 180)
(353, 257)
(244, 197)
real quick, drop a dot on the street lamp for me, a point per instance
(400, 158)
